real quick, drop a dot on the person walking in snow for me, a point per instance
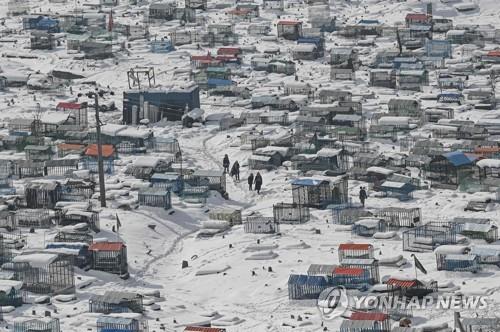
(235, 171)
(362, 195)
(258, 182)
(225, 163)
(250, 181)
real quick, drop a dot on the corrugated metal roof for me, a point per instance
(376, 316)
(107, 150)
(348, 271)
(458, 158)
(69, 106)
(355, 246)
(203, 329)
(106, 246)
(402, 283)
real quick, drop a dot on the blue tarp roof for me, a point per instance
(307, 182)
(365, 21)
(309, 40)
(219, 82)
(458, 158)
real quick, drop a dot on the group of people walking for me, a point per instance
(254, 182)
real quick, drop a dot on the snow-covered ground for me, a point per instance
(228, 293)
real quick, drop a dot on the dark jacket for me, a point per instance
(250, 179)
(225, 161)
(362, 194)
(258, 181)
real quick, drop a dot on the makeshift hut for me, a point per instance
(486, 232)
(46, 324)
(77, 251)
(11, 293)
(156, 197)
(450, 169)
(366, 321)
(290, 213)
(45, 273)
(42, 194)
(351, 277)
(116, 302)
(119, 323)
(213, 179)
(261, 225)
(42, 40)
(36, 218)
(411, 287)
(368, 226)
(74, 216)
(319, 193)
(289, 29)
(355, 251)
(233, 216)
(429, 236)
(348, 214)
(396, 218)
(109, 257)
(89, 162)
(168, 180)
(305, 287)
(368, 264)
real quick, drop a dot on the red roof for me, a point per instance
(285, 22)
(355, 246)
(69, 106)
(107, 150)
(239, 11)
(201, 57)
(487, 149)
(106, 246)
(203, 329)
(495, 53)
(402, 283)
(228, 51)
(377, 316)
(348, 271)
(417, 17)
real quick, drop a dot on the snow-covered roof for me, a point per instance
(7, 285)
(111, 129)
(380, 170)
(304, 48)
(492, 163)
(147, 161)
(394, 120)
(37, 260)
(55, 118)
(368, 222)
(328, 152)
(450, 249)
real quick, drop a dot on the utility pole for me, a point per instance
(100, 163)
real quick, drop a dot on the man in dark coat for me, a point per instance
(235, 171)
(362, 195)
(250, 181)
(225, 163)
(258, 182)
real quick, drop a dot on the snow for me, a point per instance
(490, 163)
(37, 260)
(225, 284)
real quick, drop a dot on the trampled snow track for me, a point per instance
(169, 250)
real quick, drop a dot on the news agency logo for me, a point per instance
(333, 302)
